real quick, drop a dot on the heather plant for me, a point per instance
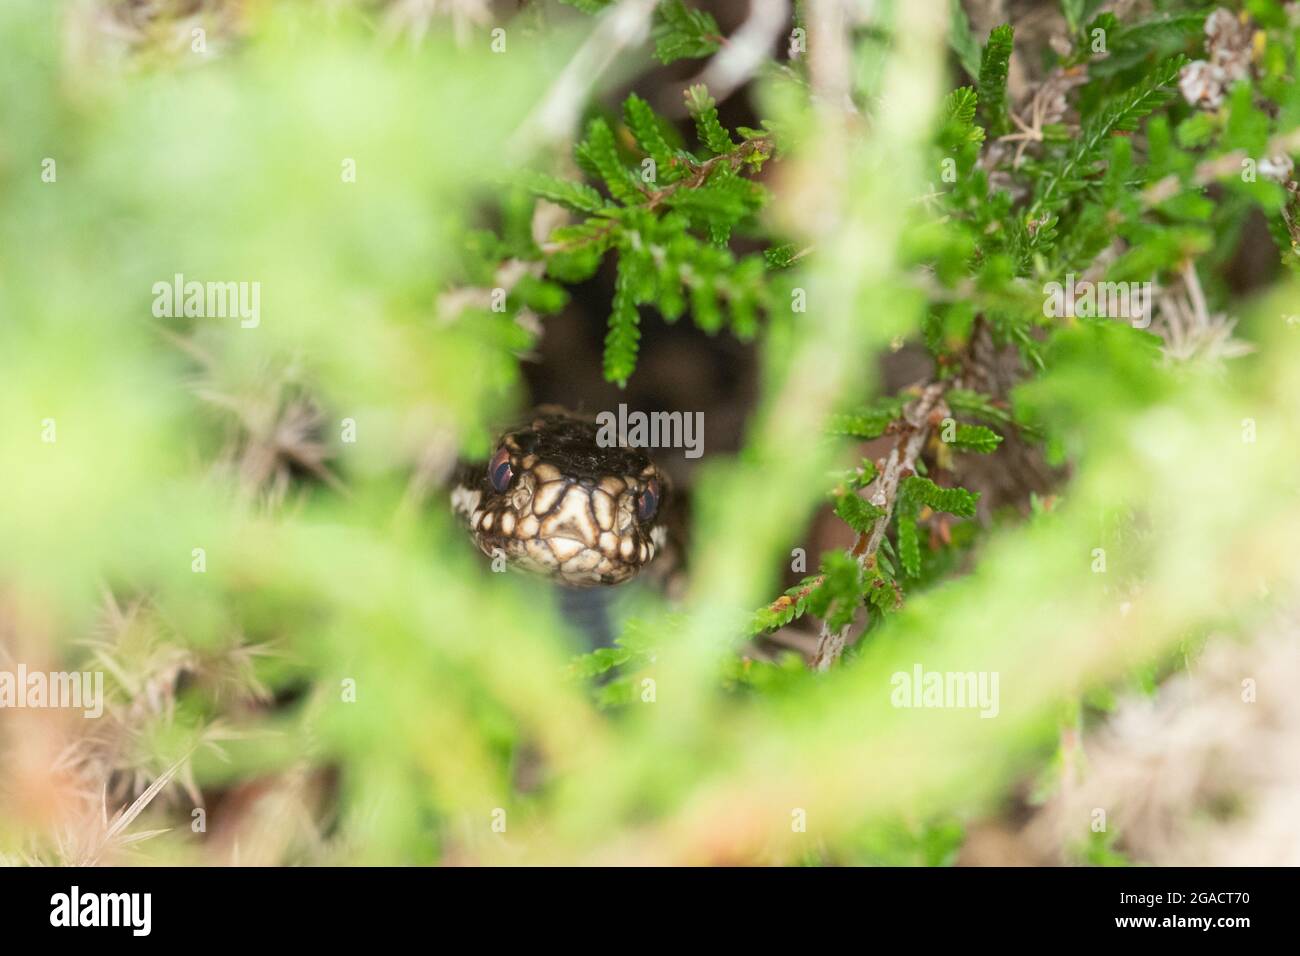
(271, 271)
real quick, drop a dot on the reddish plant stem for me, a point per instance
(916, 424)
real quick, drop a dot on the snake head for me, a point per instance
(553, 501)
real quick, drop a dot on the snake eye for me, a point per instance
(647, 502)
(499, 470)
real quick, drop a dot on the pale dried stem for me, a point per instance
(747, 49)
(1221, 167)
(622, 26)
(830, 58)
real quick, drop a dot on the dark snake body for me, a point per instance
(552, 500)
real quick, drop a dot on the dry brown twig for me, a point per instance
(1047, 106)
(917, 423)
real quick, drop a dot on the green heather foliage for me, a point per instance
(668, 218)
(683, 32)
(204, 511)
(994, 63)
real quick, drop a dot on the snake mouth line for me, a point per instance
(611, 559)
